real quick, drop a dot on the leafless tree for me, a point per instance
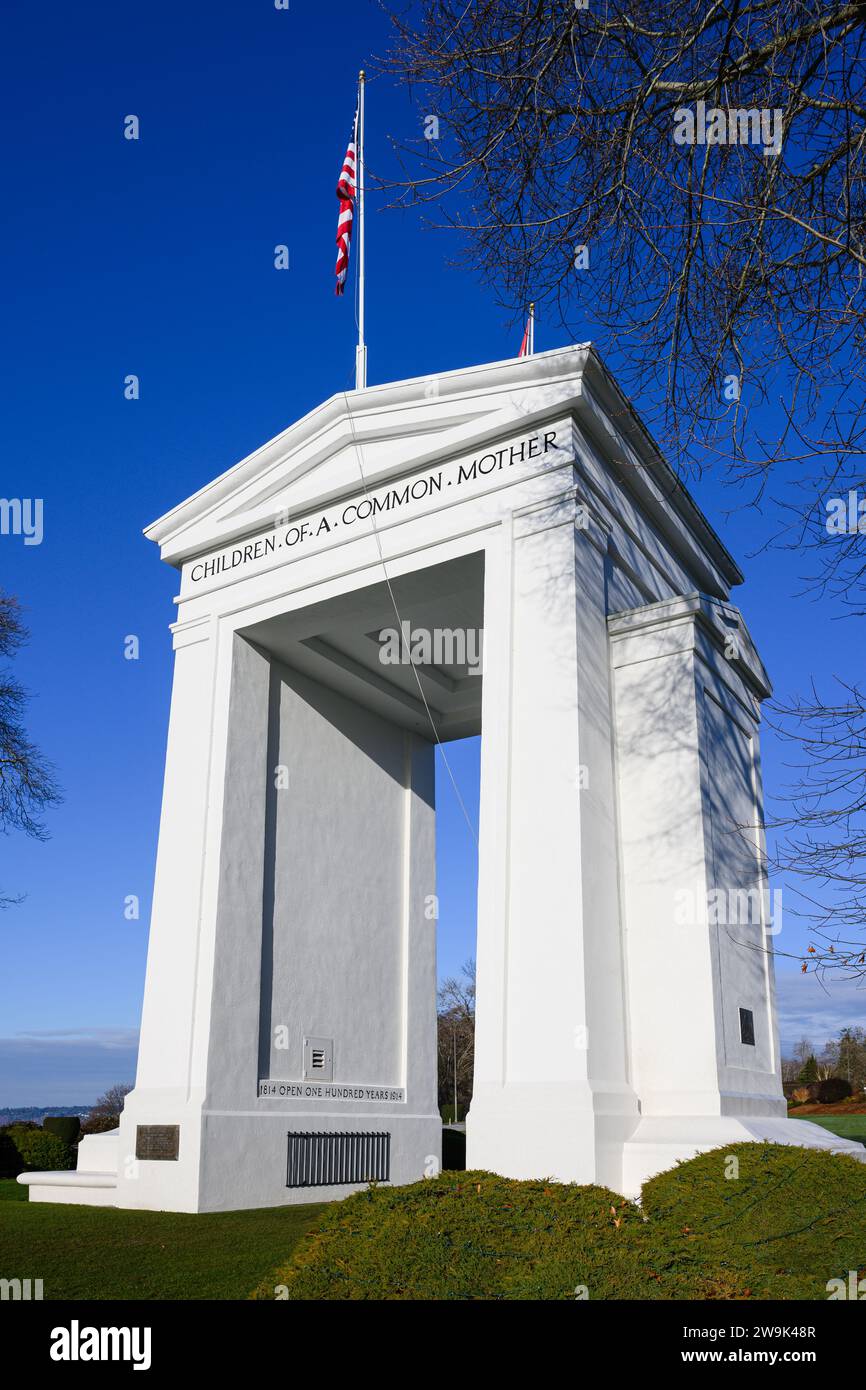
(821, 842)
(685, 183)
(802, 1052)
(106, 1111)
(456, 1038)
(27, 785)
(726, 274)
(789, 1071)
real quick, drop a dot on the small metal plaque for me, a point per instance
(157, 1142)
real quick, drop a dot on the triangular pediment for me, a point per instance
(360, 439)
(382, 433)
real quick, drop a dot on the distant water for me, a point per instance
(37, 1113)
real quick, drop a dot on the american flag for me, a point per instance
(527, 347)
(346, 188)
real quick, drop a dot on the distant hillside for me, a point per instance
(13, 1113)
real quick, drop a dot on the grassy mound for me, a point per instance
(468, 1235)
(754, 1220)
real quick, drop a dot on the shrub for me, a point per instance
(789, 1221)
(11, 1162)
(781, 1226)
(453, 1149)
(833, 1089)
(471, 1235)
(40, 1151)
(801, 1095)
(66, 1127)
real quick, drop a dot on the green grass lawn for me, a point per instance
(102, 1253)
(12, 1191)
(846, 1126)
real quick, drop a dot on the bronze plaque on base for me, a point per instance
(157, 1141)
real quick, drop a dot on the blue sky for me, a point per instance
(155, 257)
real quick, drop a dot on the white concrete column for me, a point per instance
(688, 684)
(420, 1061)
(551, 1095)
(169, 1087)
(164, 1059)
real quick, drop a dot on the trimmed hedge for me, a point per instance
(66, 1127)
(11, 1162)
(827, 1092)
(833, 1089)
(33, 1149)
(750, 1221)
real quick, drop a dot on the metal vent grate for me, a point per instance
(318, 1059)
(335, 1160)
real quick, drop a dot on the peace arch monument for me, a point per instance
(625, 1019)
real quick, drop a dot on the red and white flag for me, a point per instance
(346, 189)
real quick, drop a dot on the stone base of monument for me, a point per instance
(659, 1143)
(237, 1162)
(569, 1133)
(240, 1162)
(258, 1162)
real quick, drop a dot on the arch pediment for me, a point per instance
(362, 439)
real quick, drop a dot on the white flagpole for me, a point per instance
(531, 329)
(361, 349)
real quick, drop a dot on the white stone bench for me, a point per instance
(85, 1185)
(79, 1187)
